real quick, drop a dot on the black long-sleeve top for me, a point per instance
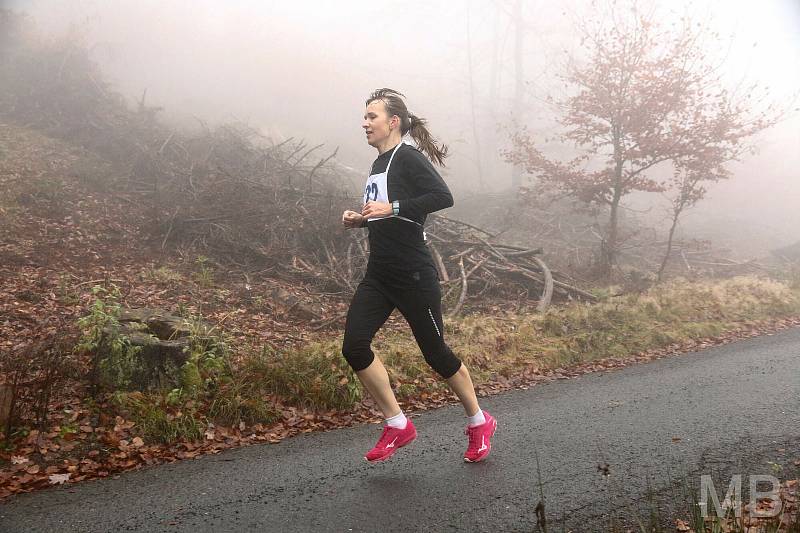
(398, 254)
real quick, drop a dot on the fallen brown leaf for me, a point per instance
(59, 479)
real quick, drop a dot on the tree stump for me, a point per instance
(163, 340)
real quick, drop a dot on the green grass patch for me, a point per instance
(157, 420)
(239, 401)
(314, 376)
(205, 272)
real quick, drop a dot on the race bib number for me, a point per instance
(376, 190)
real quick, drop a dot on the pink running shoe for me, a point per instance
(480, 439)
(390, 441)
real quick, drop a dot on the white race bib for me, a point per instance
(377, 190)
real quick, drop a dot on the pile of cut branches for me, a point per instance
(230, 195)
(474, 254)
(472, 263)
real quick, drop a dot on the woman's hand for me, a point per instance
(351, 219)
(376, 209)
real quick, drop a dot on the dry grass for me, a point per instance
(615, 327)
(318, 377)
(315, 376)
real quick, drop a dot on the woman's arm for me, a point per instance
(430, 191)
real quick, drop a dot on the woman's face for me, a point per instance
(377, 124)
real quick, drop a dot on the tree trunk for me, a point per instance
(669, 245)
(609, 252)
(675, 215)
(608, 255)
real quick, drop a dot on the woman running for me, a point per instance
(402, 188)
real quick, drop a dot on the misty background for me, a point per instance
(303, 69)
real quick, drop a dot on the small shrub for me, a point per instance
(208, 364)
(115, 361)
(190, 379)
(205, 273)
(35, 373)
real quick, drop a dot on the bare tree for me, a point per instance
(646, 96)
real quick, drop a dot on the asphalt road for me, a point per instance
(658, 426)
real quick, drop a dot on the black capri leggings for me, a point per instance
(421, 306)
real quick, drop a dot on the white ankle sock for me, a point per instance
(397, 421)
(476, 420)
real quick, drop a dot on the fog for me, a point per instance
(304, 68)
